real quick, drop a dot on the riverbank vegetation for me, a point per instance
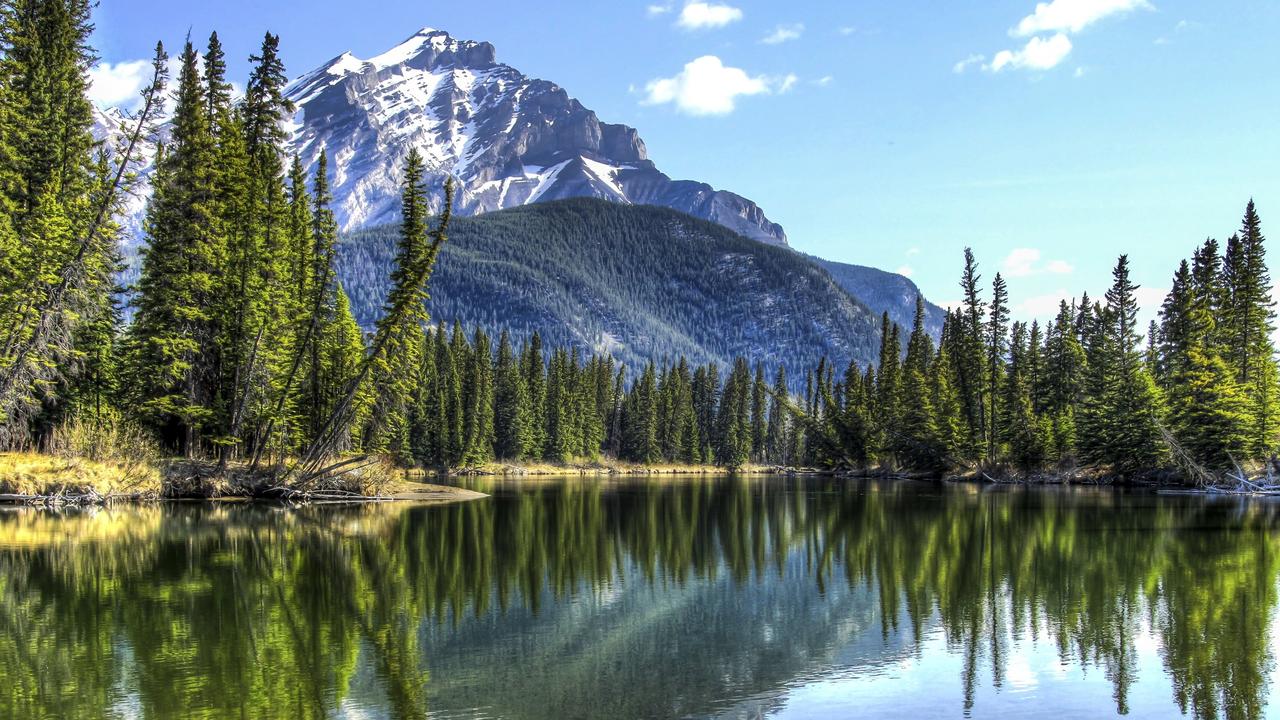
(1085, 395)
(241, 354)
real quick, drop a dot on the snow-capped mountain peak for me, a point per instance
(507, 139)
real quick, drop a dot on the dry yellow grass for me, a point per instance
(603, 467)
(39, 474)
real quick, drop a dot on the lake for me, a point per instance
(719, 597)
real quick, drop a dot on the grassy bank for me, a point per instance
(57, 479)
(601, 467)
(32, 475)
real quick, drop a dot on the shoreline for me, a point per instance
(56, 481)
(43, 480)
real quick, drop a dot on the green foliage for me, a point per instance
(646, 283)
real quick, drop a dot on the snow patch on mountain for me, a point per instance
(486, 125)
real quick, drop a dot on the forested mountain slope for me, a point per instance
(641, 282)
(883, 291)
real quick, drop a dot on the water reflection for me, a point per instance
(700, 598)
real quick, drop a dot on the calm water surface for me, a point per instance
(734, 598)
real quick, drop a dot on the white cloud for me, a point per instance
(656, 10)
(967, 63)
(905, 271)
(706, 86)
(1020, 262)
(1041, 307)
(784, 33)
(698, 15)
(1025, 262)
(118, 84)
(847, 30)
(787, 83)
(1038, 54)
(1073, 15)
(824, 81)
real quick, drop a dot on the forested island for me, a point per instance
(242, 362)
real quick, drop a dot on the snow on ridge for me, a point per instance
(437, 39)
(607, 174)
(547, 178)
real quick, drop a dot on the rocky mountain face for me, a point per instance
(507, 139)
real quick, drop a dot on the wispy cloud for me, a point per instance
(1073, 15)
(658, 10)
(824, 81)
(1047, 30)
(1182, 27)
(701, 15)
(1041, 306)
(1038, 54)
(706, 86)
(1025, 262)
(965, 64)
(118, 84)
(784, 33)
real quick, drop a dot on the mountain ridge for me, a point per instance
(507, 139)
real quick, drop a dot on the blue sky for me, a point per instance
(1048, 137)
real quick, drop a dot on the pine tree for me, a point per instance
(1208, 412)
(888, 382)
(479, 411)
(916, 441)
(533, 366)
(971, 379)
(734, 421)
(395, 371)
(1121, 423)
(173, 336)
(58, 196)
(1248, 324)
(758, 409)
(776, 441)
(510, 405)
(1063, 384)
(996, 333)
(1021, 430)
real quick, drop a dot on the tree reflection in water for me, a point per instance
(635, 599)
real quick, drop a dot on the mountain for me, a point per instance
(507, 139)
(640, 282)
(518, 144)
(109, 126)
(885, 292)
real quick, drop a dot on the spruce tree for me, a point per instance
(776, 441)
(1208, 412)
(916, 441)
(173, 336)
(533, 366)
(1248, 324)
(510, 404)
(1122, 426)
(996, 334)
(971, 379)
